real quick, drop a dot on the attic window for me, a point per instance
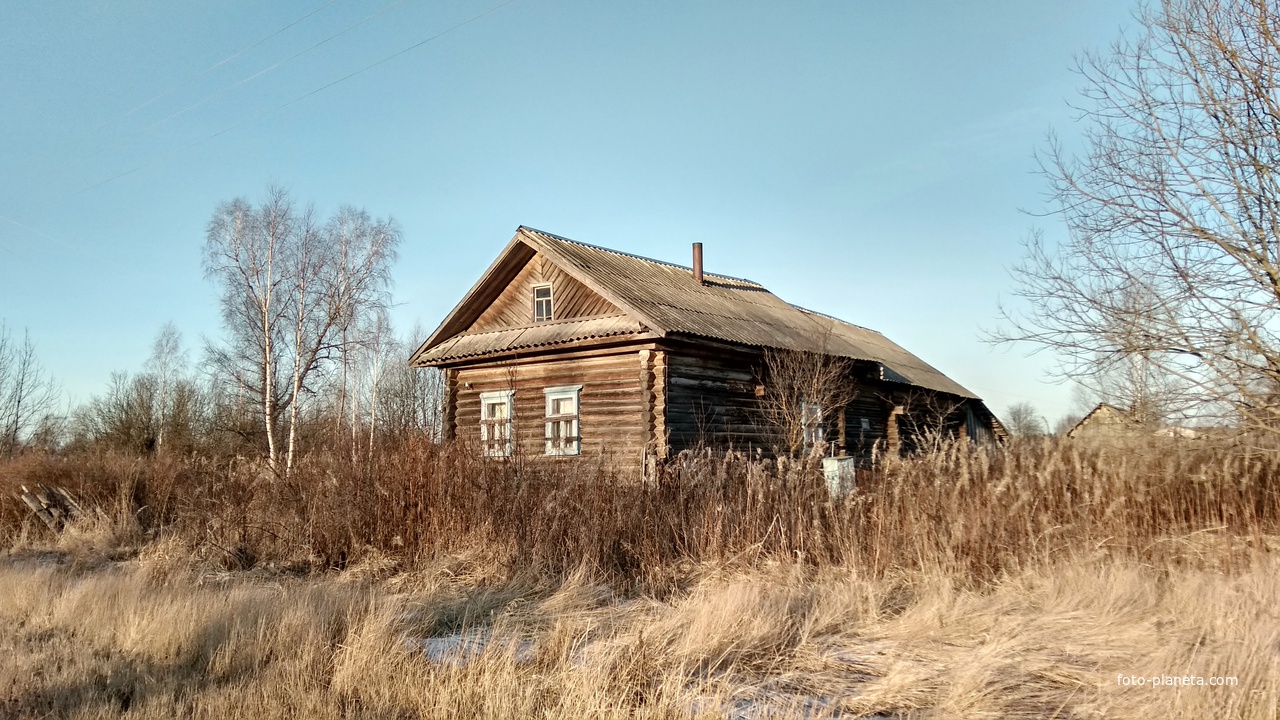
(541, 303)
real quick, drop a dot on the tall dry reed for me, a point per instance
(977, 511)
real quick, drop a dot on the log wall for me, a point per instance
(711, 401)
(642, 403)
(868, 405)
(612, 404)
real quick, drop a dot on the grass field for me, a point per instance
(1038, 582)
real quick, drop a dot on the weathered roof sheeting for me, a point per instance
(734, 310)
(896, 364)
(663, 298)
(530, 336)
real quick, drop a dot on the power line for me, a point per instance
(223, 91)
(320, 89)
(200, 74)
(383, 60)
(104, 259)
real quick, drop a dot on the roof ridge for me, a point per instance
(835, 319)
(655, 261)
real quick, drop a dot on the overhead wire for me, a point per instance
(111, 260)
(98, 257)
(228, 88)
(304, 96)
(199, 74)
(128, 113)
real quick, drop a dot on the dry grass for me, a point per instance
(775, 641)
(965, 584)
(972, 512)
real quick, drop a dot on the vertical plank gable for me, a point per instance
(514, 305)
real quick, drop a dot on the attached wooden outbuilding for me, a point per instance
(564, 349)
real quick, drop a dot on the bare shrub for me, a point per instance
(803, 392)
(976, 511)
(1012, 581)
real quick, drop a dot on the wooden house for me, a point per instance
(1105, 420)
(564, 349)
(1108, 422)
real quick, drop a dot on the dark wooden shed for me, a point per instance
(564, 349)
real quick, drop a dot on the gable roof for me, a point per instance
(665, 301)
(1104, 415)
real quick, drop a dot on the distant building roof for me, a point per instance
(1105, 418)
(662, 299)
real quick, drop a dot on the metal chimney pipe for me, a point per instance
(697, 263)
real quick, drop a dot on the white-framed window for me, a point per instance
(563, 436)
(811, 421)
(542, 303)
(496, 409)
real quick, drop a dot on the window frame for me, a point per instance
(549, 300)
(569, 444)
(486, 423)
(813, 429)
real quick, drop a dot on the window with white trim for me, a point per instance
(563, 437)
(496, 410)
(542, 303)
(811, 421)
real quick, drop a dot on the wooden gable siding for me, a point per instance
(514, 305)
(612, 404)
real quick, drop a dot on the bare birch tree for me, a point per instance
(411, 400)
(289, 289)
(1172, 269)
(167, 364)
(365, 249)
(27, 393)
(245, 254)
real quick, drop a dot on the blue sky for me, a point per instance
(870, 160)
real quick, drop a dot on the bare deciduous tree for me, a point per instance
(803, 392)
(1171, 273)
(168, 364)
(27, 394)
(365, 249)
(1066, 422)
(160, 408)
(411, 400)
(290, 289)
(125, 416)
(1022, 419)
(929, 420)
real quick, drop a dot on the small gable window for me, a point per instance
(541, 303)
(495, 422)
(562, 420)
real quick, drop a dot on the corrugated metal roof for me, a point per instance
(530, 336)
(666, 297)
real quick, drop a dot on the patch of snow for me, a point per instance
(459, 649)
